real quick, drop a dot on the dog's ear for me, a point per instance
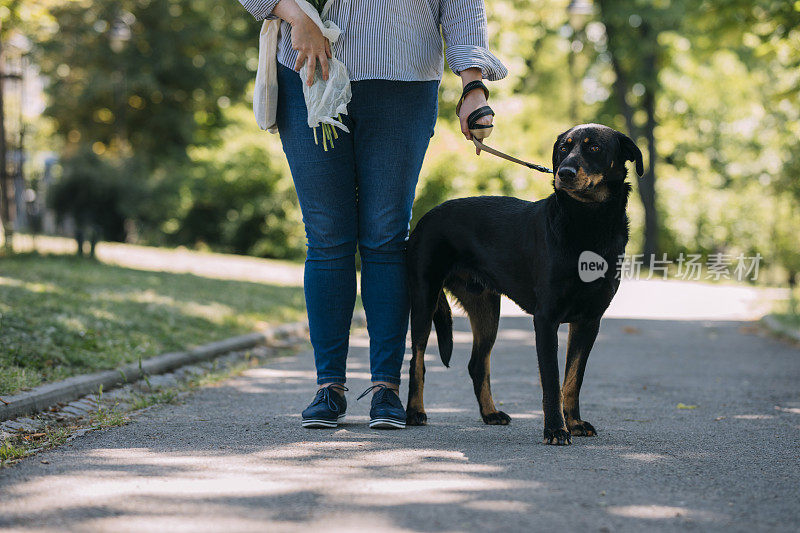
(631, 152)
(555, 150)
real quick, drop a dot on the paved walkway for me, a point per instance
(235, 458)
(177, 260)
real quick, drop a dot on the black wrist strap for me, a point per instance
(471, 86)
(473, 117)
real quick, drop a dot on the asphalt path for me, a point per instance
(697, 411)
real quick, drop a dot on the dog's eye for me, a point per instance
(594, 148)
(563, 148)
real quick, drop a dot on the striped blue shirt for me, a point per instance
(400, 39)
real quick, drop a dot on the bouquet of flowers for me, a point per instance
(326, 100)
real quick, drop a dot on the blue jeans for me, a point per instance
(358, 194)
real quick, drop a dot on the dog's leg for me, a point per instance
(423, 304)
(415, 408)
(555, 430)
(484, 316)
(579, 344)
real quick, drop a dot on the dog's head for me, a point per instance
(590, 158)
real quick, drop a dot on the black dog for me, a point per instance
(479, 248)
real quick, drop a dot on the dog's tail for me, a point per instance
(443, 321)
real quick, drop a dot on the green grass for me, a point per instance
(24, 444)
(61, 316)
(791, 320)
(108, 414)
(10, 451)
(146, 400)
(787, 312)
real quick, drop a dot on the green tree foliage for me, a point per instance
(709, 90)
(144, 77)
(239, 204)
(96, 196)
(632, 32)
(141, 81)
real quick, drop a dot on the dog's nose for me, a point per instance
(566, 173)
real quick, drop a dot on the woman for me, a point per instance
(359, 193)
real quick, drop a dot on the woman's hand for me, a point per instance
(472, 101)
(307, 39)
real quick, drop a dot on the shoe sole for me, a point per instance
(321, 423)
(386, 423)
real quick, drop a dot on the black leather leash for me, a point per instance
(481, 131)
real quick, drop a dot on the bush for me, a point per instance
(97, 194)
(240, 205)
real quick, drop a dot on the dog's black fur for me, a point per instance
(479, 248)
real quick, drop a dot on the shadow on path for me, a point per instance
(234, 456)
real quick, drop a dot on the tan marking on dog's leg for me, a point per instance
(579, 344)
(415, 401)
(485, 398)
(484, 392)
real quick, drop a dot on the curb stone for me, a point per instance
(122, 397)
(44, 396)
(776, 326)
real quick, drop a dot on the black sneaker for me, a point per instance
(387, 410)
(327, 409)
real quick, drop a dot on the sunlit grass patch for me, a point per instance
(62, 316)
(169, 395)
(117, 410)
(19, 446)
(788, 311)
(10, 451)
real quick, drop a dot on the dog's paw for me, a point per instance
(558, 437)
(416, 418)
(580, 428)
(498, 418)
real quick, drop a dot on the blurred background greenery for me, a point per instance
(145, 132)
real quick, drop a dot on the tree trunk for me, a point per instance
(621, 88)
(5, 211)
(647, 190)
(647, 184)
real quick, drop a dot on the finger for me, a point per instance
(465, 129)
(312, 66)
(477, 151)
(323, 62)
(298, 64)
(328, 48)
